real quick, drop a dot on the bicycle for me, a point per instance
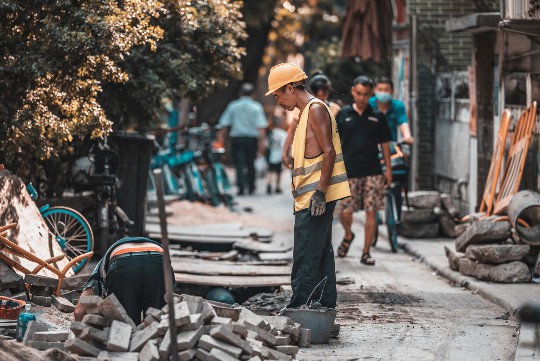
(70, 229)
(399, 153)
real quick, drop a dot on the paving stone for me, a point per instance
(112, 309)
(483, 232)
(71, 296)
(138, 340)
(255, 343)
(90, 301)
(240, 330)
(148, 319)
(453, 258)
(424, 199)
(304, 340)
(118, 356)
(77, 327)
(217, 320)
(467, 266)
(413, 215)
(255, 358)
(74, 282)
(281, 323)
(288, 350)
(417, 230)
(37, 280)
(218, 355)
(8, 277)
(188, 339)
(208, 328)
(150, 351)
(95, 320)
(513, 272)
(181, 313)
(295, 334)
(447, 225)
(266, 336)
(202, 354)
(283, 340)
(187, 355)
(63, 304)
(31, 329)
(41, 291)
(81, 347)
(42, 300)
(44, 345)
(224, 334)
(195, 321)
(497, 253)
(93, 334)
(254, 335)
(154, 312)
(459, 229)
(253, 318)
(119, 337)
(208, 343)
(194, 303)
(93, 311)
(448, 204)
(270, 353)
(207, 312)
(51, 336)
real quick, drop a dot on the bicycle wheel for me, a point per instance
(211, 188)
(72, 232)
(391, 217)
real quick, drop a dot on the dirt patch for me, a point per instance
(269, 302)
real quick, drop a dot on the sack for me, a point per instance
(261, 166)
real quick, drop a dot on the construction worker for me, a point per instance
(318, 181)
(132, 270)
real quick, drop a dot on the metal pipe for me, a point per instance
(412, 98)
(167, 275)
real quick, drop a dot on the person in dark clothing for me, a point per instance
(132, 270)
(361, 130)
(247, 123)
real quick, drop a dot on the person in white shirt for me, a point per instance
(276, 141)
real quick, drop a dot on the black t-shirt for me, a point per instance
(360, 136)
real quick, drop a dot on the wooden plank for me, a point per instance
(191, 239)
(209, 232)
(204, 267)
(255, 246)
(275, 256)
(31, 232)
(233, 281)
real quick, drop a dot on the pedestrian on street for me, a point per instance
(393, 109)
(362, 129)
(132, 270)
(276, 141)
(247, 121)
(320, 86)
(318, 181)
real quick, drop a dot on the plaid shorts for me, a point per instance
(368, 189)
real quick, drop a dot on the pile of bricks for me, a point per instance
(42, 293)
(204, 332)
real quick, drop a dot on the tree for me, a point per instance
(198, 53)
(55, 56)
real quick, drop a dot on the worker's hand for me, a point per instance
(287, 160)
(408, 140)
(388, 178)
(317, 203)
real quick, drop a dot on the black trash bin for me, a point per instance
(135, 151)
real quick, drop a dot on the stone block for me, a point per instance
(93, 334)
(118, 356)
(41, 291)
(304, 340)
(43, 281)
(288, 350)
(266, 336)
(31, 329)
(71, 296)
(218, 355)
(207, 312)
(281, 323)
(217, 320)
(482, 233)
(187, 355)
(424, 199)
(74, 282)
(138, 340)
(453, 258)
(112, 309)
(150, 351)
(90, 301)
(42, 300)
(237, 329)
(77, 327)
(202, 354)
(194, 303)
(43, 345)
(252, 318)
(188, 339)
(467, 266)
(154, 312)
(460, 228)
(270, 353)
(8, 277)
(208, 328)
(195, 321)
(81, 347)
(295, 332)
(413, 215)
(181, 313)
(283, 340)
(447, 225)
(224, 334)
(63, 304)
(51, 336)
(95, 320)
(417, 230)
(207, 343)
(448, 204)
(497, 253)
(254, 336)
(20, 296)
(119, 337)
(513, 272)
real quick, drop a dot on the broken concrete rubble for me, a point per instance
(497, 253)
(453, 258)
(420, 230)
(413, 215)
(513, 272)
(483, 232)
(424, 199)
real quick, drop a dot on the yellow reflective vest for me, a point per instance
(307, 171)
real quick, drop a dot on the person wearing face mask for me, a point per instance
(393, 109)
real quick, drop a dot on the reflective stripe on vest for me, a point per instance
(307, 171)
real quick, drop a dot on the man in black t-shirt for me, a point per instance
(362, 129)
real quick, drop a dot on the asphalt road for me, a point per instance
(398, 309)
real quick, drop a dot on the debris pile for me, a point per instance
(487, 252)
(205, 331)
(429, 215)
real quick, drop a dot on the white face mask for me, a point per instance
(383, 97)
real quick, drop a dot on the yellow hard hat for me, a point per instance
(283, 74)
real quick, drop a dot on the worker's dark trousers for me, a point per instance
(244, 151)
(313, 258)
(137, 282)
